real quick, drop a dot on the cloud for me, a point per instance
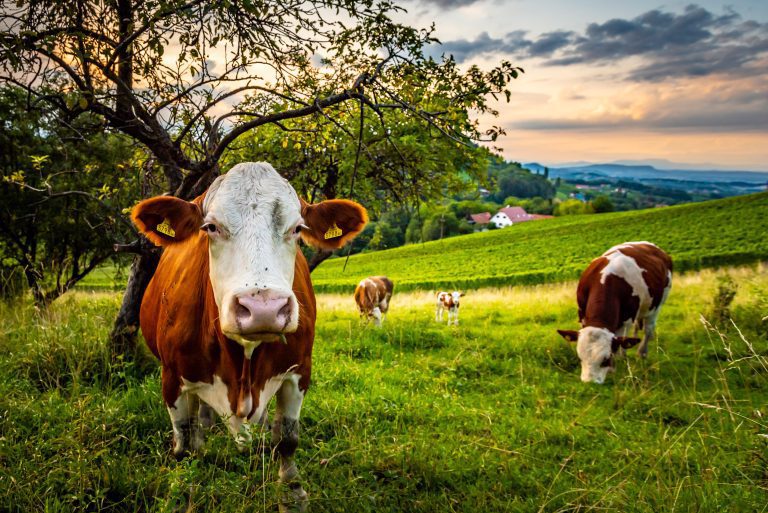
(484, 44)
(700, 106)
(449, 4)
(693, 43)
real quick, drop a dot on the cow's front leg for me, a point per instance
(456, 317)
(649, 332)
(187, 432)
(376, 317)
(285, 437)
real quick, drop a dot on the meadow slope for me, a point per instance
(416, 417)
(697, 235)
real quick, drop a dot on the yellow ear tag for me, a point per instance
(165, 228)
(333, 232)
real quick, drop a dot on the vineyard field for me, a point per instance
(698, 235)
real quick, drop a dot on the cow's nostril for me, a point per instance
(242, 312)
(285, 311)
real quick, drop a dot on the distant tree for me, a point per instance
(109, 59)
(440, 225)
(464, 208)
(510, 179)
(572, 207)
(602, 204)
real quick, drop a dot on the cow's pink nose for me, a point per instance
(262, 312)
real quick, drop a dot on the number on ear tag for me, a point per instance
(333, 232)
(165, 228)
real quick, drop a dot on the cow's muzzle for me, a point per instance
(262, 315)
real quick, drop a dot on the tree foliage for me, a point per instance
(187, 78)
(57, 182)
(512, 180)
(573, 207)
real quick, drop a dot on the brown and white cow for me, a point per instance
(230, 311)
(624, 287)
(372, 296)
(448, 301)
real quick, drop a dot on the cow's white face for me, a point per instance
(595, 350)
(252, 217)
(455, 295)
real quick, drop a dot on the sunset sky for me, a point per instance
(607, 80)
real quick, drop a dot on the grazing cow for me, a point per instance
(450, 302)
(372, 296)
(624, 287)
(230, 311)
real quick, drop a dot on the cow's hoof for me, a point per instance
(293, 499)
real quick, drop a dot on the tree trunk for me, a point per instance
(318, 258)
(126, 326)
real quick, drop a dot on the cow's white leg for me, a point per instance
(439, 314)
(376, 316)
(649, 332)
(456, 317)
(187, 432)
(285, 438)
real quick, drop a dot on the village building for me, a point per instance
(506, 216)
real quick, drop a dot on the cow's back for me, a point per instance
(656, 265)
(613, 288)
(385, 287)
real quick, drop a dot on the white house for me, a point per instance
(508, 216)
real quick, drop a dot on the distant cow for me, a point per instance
(230, 311)
(450, 302)
(372, 296)
(624, 287)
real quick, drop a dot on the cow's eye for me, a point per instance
(607, 362)
(210, 228)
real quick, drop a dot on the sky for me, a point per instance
(614, 80)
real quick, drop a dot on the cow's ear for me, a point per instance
(461, 295)
(167, 220)
(625, 342)
(569, 335)
(331, 224)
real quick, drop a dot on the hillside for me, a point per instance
(723, 183)
(709, 234)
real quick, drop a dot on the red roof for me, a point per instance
(481, 218)
(516, 213)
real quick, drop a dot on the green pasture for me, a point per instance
(414, 417)
(698, 235)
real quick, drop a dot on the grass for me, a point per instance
(698, 235)
(417, 416)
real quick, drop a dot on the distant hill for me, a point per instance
(706, 234)
(726, 183)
